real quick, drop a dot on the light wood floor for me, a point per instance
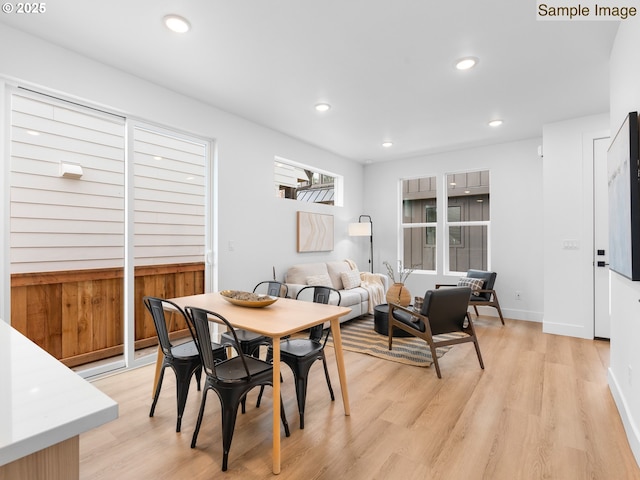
(540, 410)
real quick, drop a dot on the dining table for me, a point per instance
(282, 318)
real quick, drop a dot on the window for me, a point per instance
(169, 197)
(58, 223)
(468, 220)
(419, 222)
(307, 184)
(464, 225)
(74, 239)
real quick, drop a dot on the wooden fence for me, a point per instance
(78, 316)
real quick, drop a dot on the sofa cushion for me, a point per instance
(335, 269)
(350, 279)
(319, 280)
(349, 298)
(299, 273)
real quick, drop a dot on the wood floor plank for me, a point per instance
(541, 409)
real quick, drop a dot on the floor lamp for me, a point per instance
(363, 229)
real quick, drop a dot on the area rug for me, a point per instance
(359, 336)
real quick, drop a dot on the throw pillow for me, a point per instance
(474, 283)
(350, 279)
(319, 280)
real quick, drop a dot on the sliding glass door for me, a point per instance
(103, 211)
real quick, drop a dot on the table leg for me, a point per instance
(342, 373)
(159, 361)
(276, 405)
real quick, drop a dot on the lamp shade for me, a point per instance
(362, 229)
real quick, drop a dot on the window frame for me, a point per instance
(405, 226)
(338, 180)
(463, 223)
(442, 225)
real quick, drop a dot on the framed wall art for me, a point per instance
(315, 232)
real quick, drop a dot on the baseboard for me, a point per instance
(527, 315)
(566, 329)
(512, 313)
(630, 427)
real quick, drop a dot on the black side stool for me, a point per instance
(381, 322)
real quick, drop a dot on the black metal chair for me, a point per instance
(250, 342)
(231, 379)
(443, 311)
(301, 353)
(183, 359)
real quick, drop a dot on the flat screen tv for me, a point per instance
(623, 167)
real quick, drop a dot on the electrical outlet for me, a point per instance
(518, 295)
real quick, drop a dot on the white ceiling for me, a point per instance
(386, 66)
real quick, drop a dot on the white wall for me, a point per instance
(516, 217)
(568, 216)
(261, 227)
(624, 370)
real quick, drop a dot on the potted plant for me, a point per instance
(398, 293)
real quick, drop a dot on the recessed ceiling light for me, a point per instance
(495, 123)
(323, 107)
(177, 24)
(157, 157)
(33, 132)
(387, 144)
(466, 63)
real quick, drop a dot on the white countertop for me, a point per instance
(42, 402)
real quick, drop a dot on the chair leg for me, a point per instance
(199, 421)
(198, 376)
(434, 357)
(229, 405)
(476, 310)
(260, 396)
(283, 416)
(475, 343)
(183, 380)
(301, 395)
(326, 374)
(157, 393)
(497, 305)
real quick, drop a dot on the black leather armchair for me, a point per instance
(486, 296)
(443, 311)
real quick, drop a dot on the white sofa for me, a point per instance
(356, 298)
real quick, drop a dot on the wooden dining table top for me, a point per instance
(284, 317)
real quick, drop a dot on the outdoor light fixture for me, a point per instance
(363, 229)
(70, 170)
